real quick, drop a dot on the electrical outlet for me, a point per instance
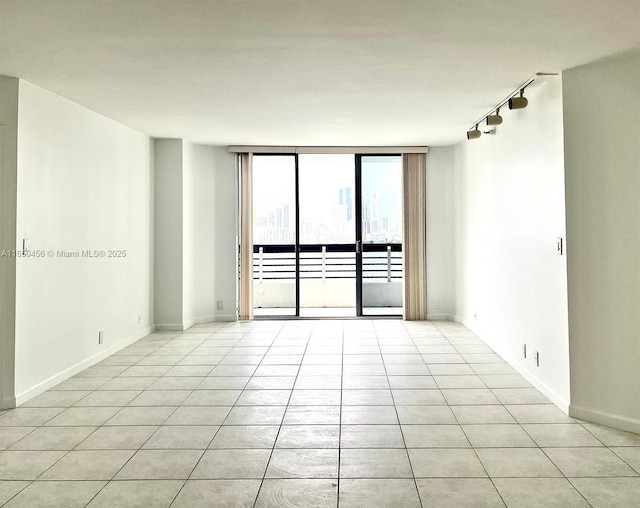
(100, 337)
(436, 304)
(220, 305)
(139, 318)
(537, 357)
(475, 315)
(524, 350)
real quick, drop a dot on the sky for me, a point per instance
(321, 177)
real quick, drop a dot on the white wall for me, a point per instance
(602, 157)
(226, 239)
(510, 283)
(168, 233)
(440, 233)
(8, 166)
(199, 233)
(189, 182)
(195, 251)
(84, 183)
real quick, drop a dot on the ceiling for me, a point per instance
(303, 72)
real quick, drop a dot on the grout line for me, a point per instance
(340, 419)
(395, 408)
(30, 482)
(477, 456)
(157, 429)
(241, 335)
(275, 441)
(219, 426)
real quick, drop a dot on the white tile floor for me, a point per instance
(369, 413)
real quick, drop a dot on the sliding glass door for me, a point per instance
(274, 235)
(327, 235)
(380, 219)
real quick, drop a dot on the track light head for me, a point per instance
(493, 120)
(518, 102)
(474, 133)
(515, 100)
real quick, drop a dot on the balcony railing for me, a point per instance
(276, 263)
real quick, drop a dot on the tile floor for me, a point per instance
(369, 413)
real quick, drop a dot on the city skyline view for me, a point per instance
(327, 199)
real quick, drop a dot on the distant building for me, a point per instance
(345, 199)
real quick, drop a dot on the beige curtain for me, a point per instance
(414, 236)
(246, 237)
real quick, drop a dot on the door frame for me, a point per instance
(358, 220)
(358, 243)
(360, 246)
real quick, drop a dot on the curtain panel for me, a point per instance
(414, 236)
(245, 310)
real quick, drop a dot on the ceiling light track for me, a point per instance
(515, 100)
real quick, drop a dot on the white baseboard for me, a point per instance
(197, 321)
(205, 319)
(440, 317)
(462, 321)
(603, 418)
(170, 327)
(562, 404)
(573, 410)
(36, 390)
(226, 317)
(181, 327)
(177, 327)
(559, 401)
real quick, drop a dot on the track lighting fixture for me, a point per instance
(515, 100)
(474, 133)
(518, 102)
(493, 120)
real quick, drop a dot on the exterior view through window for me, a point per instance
(327, 235)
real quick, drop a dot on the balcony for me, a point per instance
(327, 279)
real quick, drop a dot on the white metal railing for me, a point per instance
(272, 263)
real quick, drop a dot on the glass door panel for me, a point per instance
(381, 226)
(327, 235)
(274, 235)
